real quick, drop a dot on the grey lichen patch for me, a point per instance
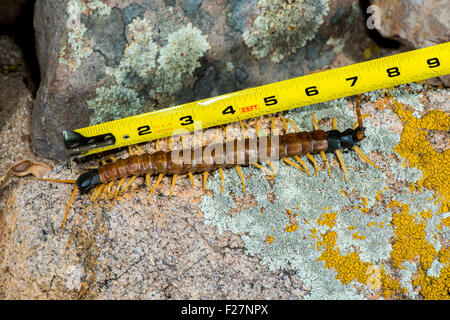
(284, 26)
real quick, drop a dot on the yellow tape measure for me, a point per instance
(328, 85)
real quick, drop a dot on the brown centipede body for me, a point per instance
(236, 153)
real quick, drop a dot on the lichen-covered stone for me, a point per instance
(107, 60)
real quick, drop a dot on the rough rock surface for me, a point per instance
(105, 60)
(279, 240)
(421, 23)
(417, 23)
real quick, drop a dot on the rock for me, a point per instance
(292, 237)
(136, 247)
(102, 61)
(421, 23)
(417, 23)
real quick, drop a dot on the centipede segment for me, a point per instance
(256, 151)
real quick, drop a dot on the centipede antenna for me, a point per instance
(67, 210)
(364, 157)
(358, 112)
(357, 121)
(56, 180)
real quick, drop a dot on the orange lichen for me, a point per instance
(348, 267)
(328, 219)
(419, 153)
(410, 243)
(291, 227)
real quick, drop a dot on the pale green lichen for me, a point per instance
(139, 55)
(110, 102)
(163, 77)
(98, 7)
(283, 27)
(178, 59)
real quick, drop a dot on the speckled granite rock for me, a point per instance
(279, 240)
(137, 247)
(106, 60)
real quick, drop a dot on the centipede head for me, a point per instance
(88, 180)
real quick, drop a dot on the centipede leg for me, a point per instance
(274, 169)
(293, 164)
(172, 187)
(239, 171)
(311, 158)
(244, 129)
(97, 191)
(158, 181)
(339, 153)
(121, 181)
(364, 157)
(205, 179)
(191, 177)
(257, 165)
(303, 164)
(341, 161)
(108, 189)
(222, 180)
(129, 182)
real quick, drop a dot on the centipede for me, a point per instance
(285, 146)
